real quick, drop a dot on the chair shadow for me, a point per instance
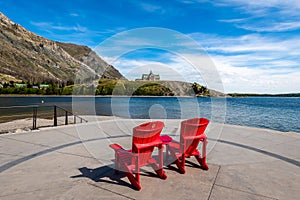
(172, 166)
(106, 174)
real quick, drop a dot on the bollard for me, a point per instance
(34, 118)
(66, 120)
(55, 116)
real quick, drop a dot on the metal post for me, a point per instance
(55, 116)
(66, 120)
(74, 119)
(34, 118)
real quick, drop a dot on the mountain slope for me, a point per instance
(32, 58)
(87, 56)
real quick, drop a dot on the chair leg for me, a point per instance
(134, 180)
(202, 160)
(204, 164)
(132, 175)
(181, 164)
(167, 154)
(159, 171)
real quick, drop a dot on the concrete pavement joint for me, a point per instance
(122, 195)
(73, 136)
(246, 192)
(212, 187)
(111, 136)
(26, 142)
(73, 154)
(8, 154)
(26, 192)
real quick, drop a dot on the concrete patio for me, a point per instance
(75, 162)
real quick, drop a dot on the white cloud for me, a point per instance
(260, 16)
(151, 7)
(250, 63)
(75, 34)
(248, 4)
(177, 69)
(185, 67)
(272, 27)
(265, 16)
(74, 14)
(234, 78)
(233, 20)
(50, 26)
(255, 63)
(253, 6)
(148, 7)
(252, 43)
(257, 80)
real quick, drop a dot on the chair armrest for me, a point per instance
(115, 147)
(119, 149)
(166, 139)
(202, 136)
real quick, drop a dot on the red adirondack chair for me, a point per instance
(191, 133)
(145, 137)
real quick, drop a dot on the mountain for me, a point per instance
(28, 57)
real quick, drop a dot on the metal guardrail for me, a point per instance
(55, 114)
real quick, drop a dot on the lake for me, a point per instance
(277, 113)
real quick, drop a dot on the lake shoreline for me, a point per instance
(134, 96)
(25, 125)
(279, 113)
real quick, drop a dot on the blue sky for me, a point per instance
(254, 45)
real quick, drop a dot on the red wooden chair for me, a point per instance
(145, 137)
(191, 133)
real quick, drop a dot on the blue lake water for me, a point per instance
(280, 113)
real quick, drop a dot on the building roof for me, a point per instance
(146, 76)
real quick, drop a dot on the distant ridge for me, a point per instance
(28, 57)
(264, 95)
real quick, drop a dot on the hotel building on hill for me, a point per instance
(149, 77)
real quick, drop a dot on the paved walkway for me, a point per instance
(74, 162)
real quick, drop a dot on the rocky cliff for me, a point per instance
(31, 58)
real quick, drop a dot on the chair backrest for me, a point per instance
(190, 128)
(145, 134)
